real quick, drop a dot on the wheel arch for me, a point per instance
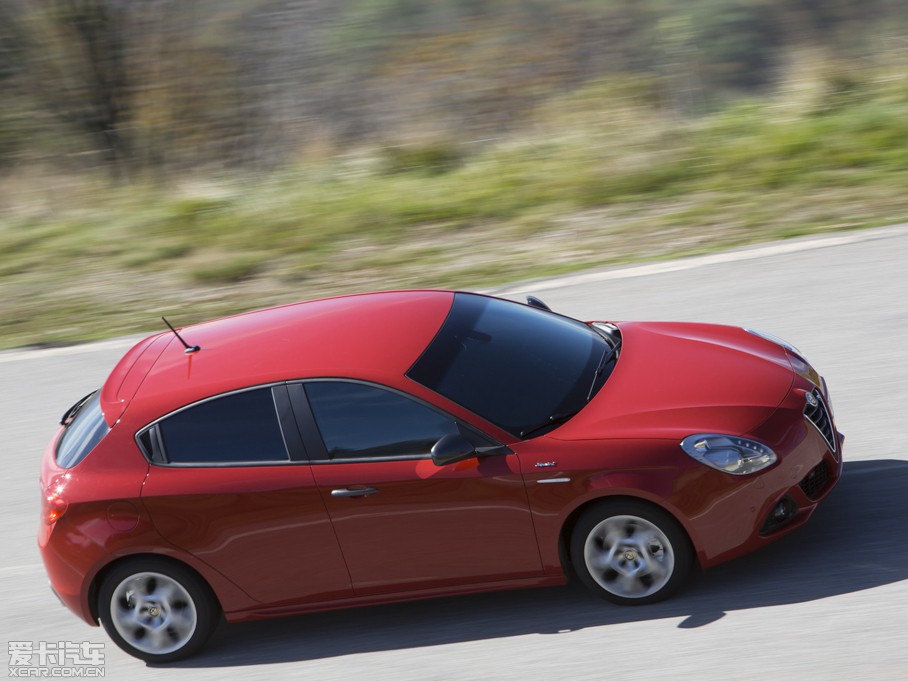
(570, 522)
(96, 582)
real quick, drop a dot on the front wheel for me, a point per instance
(630, 552)
(157, 610)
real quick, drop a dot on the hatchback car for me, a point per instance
(402, 445)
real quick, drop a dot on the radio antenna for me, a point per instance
(189, 348)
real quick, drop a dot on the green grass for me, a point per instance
(595, 180)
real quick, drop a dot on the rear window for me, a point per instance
(83, 432)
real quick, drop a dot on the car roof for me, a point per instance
(371, 336)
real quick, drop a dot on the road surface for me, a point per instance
(829, 602)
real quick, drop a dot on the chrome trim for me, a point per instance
(353, 492)
(816, 412)
(772, 338)
(375, 459)
(547, 481)
(215, 464)
(229, 464)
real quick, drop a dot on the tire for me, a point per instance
(157, 610)
(630, 552)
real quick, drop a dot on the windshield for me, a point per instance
(514, 365)
(82, 433)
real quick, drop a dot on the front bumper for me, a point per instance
(750, 517)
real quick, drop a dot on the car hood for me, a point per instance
(675, 379)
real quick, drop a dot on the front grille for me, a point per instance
(816, 412)
(815, 481)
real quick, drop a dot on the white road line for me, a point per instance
(101, 346)
(532, 286)
(747, 253)
(20, 569)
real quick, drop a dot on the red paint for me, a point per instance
(271, 540)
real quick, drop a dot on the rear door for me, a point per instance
(229, 485)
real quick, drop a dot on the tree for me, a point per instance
(77, 65)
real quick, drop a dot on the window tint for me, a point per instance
(357, 421)
(83, 433)
(512, 364)
(242, 427)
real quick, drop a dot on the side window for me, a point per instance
(237, 428)
(363, 421)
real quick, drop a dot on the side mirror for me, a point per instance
(451, 449)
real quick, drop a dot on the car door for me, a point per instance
(404, 523)
(232, 487)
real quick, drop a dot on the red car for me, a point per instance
(402, 445)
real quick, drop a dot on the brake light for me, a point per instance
(53, 505)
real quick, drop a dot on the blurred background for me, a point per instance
(200, 158)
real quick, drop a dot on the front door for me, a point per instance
(404, 523)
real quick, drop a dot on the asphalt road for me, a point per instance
(830, 602)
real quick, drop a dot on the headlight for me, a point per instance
(778, 341)
(735, 455)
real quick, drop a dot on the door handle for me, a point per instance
(353, 492)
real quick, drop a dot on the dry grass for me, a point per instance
(598, 178)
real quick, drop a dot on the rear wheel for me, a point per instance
(157, 610)
(630, 552)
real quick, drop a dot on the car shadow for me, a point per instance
(849, 545)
